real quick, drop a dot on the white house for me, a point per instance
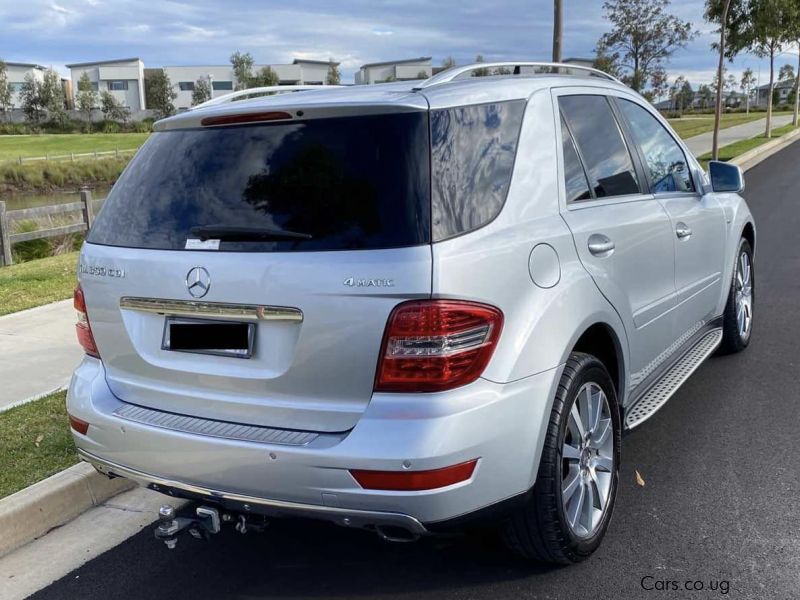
(223, 81)
(16, 73)
(395, 70)
(123, 78)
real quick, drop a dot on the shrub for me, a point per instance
(32, 249)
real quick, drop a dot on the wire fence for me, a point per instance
(72, 156)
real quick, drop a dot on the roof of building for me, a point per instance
(21, 64)
(101, 62)
(783, 83)
(396, 62)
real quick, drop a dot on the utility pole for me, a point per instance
(558, 29)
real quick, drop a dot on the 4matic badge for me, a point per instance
(359, 282)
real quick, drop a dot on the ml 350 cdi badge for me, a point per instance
(405, 308)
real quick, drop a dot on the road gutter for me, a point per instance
(759, 154)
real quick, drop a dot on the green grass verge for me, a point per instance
(35, 442)
(47, 176)
(12, 147)
(731, 151)
(37, 282)
(690, 125)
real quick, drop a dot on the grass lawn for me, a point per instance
(14, 146)
(692, 125)
(731, 151)
(37, 282)
(35, 443)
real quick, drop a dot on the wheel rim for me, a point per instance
(744, 295)
(587, 461)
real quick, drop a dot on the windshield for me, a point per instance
(346, 183)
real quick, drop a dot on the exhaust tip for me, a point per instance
(396, 534)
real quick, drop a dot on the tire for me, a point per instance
(734, 338)
(540, 530)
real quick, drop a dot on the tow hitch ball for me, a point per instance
(207, 522)
(201, 527)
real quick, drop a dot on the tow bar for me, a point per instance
(207, 522)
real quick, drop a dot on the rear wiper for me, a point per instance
(245, 234)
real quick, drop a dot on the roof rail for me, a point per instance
(270, 89)
(455, 72)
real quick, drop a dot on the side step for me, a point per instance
(661, 391)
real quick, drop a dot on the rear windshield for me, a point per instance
(349, 183)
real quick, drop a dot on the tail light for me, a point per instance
(414, 481)
(82, 327)
(436, 345)
(78, 425)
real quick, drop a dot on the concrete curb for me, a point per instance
(32, 512)
(759, 154)
(32, 399)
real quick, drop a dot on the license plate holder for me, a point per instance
(209, 336)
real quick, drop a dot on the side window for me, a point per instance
(472, 159)
(665, 160)
(574, 176)
(601, 145)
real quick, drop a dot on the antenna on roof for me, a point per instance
(516, 68)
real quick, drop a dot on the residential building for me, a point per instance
(783, 89)
(16, 73)
(395, 70)
(223, 81)
(122, 78)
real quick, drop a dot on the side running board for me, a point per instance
(661, 391)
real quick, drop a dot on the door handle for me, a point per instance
(683, 231)
(600, 245)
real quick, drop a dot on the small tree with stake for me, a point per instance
(86, 98)
(159, 94)
(5, 88)
(334, 77)
(201, 92)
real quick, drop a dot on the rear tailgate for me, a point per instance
(327, 216)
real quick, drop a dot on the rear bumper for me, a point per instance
(501, 425)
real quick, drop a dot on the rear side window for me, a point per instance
(601, 145)
(666, 162)
(472, 159)
(350, 183)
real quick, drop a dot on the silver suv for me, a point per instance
(405, 307)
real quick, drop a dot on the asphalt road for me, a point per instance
(721, 502)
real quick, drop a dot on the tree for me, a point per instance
(483, 71)
(705, 94)
(422, 74)
(5, 88)
(746, 85)
(448, 63)
(659, 83)
(31, 98)
(676, 93)
(334, 77)
(242, 69)
(786, 73)
(501, 71)
(159, 95)
(201, 92)
(643, 37)
(558, 29)
(718, 11)
(52, 97)
(607, 62)
(86, 98)
(113, 109)
(793, 34)
(265, 77)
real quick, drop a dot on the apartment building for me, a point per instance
(122, 78)
(16, 72)
(395, 70)
(223, 81)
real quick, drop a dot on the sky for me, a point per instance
(354, 32)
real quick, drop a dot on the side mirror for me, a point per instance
(725, 177)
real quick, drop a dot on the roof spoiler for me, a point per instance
(260, 91)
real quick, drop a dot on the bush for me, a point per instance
(32, 249)
(75, 126)
(46, 176)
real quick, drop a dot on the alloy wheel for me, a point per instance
(587, 461)
(744, 295)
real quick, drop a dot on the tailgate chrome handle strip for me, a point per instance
(212, 309)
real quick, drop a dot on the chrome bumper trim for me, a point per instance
(345, 517)
(193, 308)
